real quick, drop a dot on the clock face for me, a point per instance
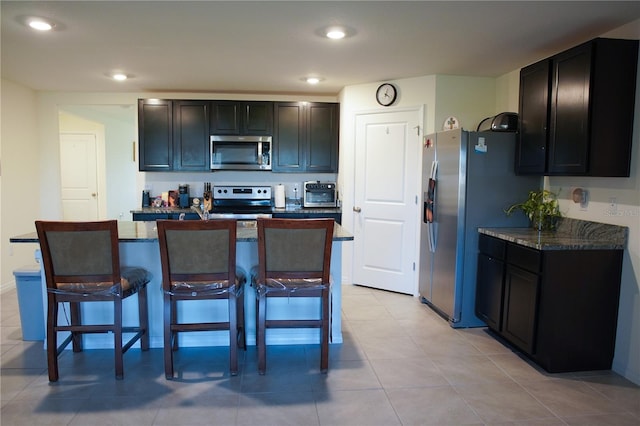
(386, 94)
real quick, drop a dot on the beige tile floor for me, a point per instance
(400, 364)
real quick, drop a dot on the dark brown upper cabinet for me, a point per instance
(306, 137)
(242, 118)
(191, 136)
(155, 135)
(173, 135)
(577, 109)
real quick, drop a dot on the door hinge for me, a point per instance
(416, 200)
(417, 130)
(414, 266)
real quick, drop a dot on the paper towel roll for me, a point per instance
(279, 196)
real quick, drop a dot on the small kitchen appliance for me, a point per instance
(183, 194)
(146, 198)
(503, 122)
(320, 194)
(240, 152)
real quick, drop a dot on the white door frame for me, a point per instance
(418, 152)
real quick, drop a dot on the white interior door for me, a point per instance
(78, 168)
(386, 200)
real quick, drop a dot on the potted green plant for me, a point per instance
(541, 207)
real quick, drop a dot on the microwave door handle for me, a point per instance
(260, 153)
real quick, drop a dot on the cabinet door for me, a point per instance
(257, 118)
(531, 154)
(612, 96)
(225, 117)
(155, 135)
(569, 119)
(191, 136)
(519, 316)
(489, 290)
(242, 118)
(322, 137)
(288, 140)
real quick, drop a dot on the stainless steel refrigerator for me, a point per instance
(468, 180)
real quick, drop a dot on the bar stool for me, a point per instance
(81, 261)
(199, 263)
(294, 257)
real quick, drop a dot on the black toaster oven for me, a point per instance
(320, 194)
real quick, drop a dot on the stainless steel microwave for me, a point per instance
(240, 152)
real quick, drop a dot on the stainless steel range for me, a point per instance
(241, 202)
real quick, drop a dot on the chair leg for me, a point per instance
(261, 316)
(168, 349)
(76, 319)
(52, 339)
(117, 337)
(242, 334)
(143, 318)
(324, 333)
(174, 320)
(233, 334)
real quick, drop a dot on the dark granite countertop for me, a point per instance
(291, 210)
(141, 232)
(571, 234)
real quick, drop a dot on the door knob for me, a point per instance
(357, 209)
(93, 194)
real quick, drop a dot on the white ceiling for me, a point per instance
(268, 46)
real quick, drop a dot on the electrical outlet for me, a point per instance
(613, 206)
(296, 190)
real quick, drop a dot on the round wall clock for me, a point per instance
(386, 94)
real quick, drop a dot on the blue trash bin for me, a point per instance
(29, 287)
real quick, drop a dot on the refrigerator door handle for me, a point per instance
(431, 232)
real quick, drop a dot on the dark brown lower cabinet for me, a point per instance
(520, 307)
(490, 289)
(559, 307)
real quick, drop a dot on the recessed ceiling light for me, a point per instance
(312, 79)
(335, 33)
(40, 24)
(119, 76)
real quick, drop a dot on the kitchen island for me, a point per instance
(192, 213)
(139, 246)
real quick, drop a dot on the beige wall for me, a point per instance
(469, 99)
(20, 176)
